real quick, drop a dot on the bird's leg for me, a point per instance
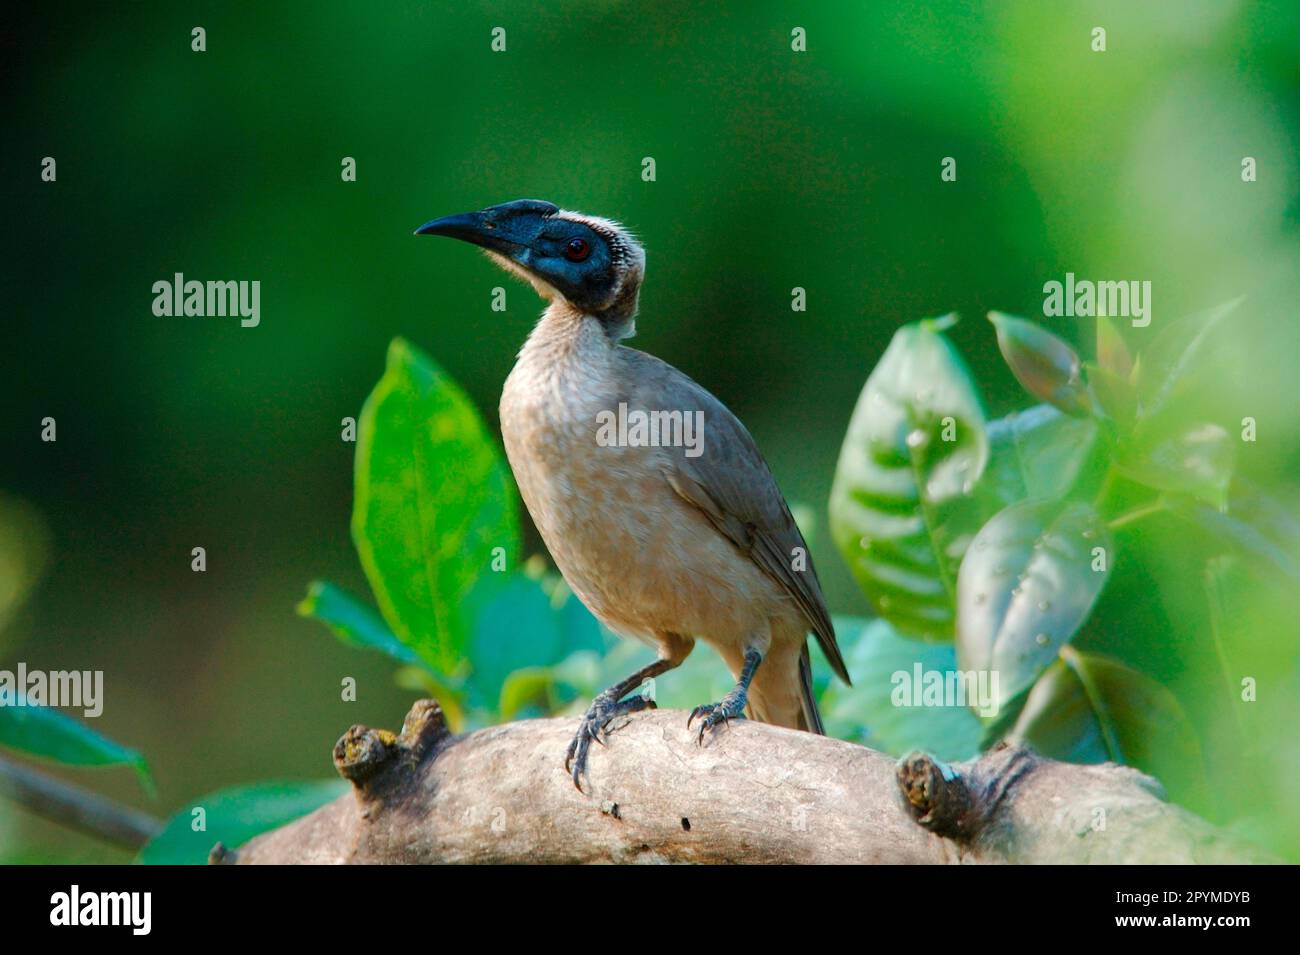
(605, 707)
(731, 706)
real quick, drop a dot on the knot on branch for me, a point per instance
(937, 795)
(961, 802)
(362, 754)
(423, 728)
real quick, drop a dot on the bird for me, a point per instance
(664, 541)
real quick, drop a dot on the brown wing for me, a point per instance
(734, 488)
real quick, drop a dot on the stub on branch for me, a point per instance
(364, 755)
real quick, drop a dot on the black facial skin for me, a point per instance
(527, 232)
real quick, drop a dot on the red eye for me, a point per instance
(575, 250)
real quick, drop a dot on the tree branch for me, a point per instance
(753, 793)
(75, 807)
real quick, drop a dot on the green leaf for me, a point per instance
(1114, 395)
(355, 624)
(1171, 360)
(914, 450)
(1112, 354)
(1026, 586)
(1169, 455)
(233, 816)
(432, 502)
(45, 732)
(1278, 519)
(1044, 364)
(881, 709)
(1254, 526)
(527, 687)
(1036, 453)
(1089, 709)
(703, 678)
(516, 627)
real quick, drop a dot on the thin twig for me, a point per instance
(75, 807)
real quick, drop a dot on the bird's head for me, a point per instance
(592, 264)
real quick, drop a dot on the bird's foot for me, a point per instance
(604, 710)
(712, 715)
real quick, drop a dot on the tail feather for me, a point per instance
(811, 718)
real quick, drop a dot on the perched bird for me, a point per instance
(663, 540)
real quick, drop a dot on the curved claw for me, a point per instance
(571, 756)
(713, 715)
(576, 761)
(714, 719)
(595, 726)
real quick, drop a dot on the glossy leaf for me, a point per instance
(49, 734)
(355, 624)
(1257, 529)
(432, 502)
(703, 678)
(892, 705)
(1169, 455)
(515, 627)
(1170, 361)
(1036, 453)
(1043, 363)
(895, 500)
(1026, 586)
(233, 816)
(1089, 709)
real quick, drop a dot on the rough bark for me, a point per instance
(752, 793)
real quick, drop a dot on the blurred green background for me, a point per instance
(775, 169)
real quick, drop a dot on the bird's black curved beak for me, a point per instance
(505, 228)
(472, 227)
